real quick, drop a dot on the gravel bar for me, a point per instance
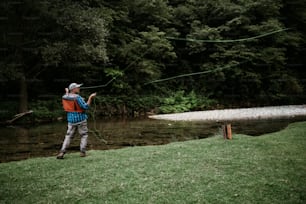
(271, 112)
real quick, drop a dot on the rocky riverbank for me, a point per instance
(237, 114)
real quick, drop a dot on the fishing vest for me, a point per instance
(70, 103)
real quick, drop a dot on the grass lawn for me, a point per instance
(265, 169)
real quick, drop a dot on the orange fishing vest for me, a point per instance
(70, 104)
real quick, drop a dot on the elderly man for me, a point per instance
(75, 107)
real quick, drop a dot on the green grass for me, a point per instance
(265, 169)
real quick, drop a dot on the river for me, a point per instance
(18, 143)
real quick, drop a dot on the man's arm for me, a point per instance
(82, 103)
(85, 105)
(90, 98)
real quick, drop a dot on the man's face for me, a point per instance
(76, 90)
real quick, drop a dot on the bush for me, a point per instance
(46, 110)
(180, 102)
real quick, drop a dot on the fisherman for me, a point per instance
(75, 107)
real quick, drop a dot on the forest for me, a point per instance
(158, 56)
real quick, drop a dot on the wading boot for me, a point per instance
(82, 154)
(60, 155)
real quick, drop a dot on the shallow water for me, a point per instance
(17, 143)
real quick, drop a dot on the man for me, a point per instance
(75, 107)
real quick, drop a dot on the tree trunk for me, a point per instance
(23, 98)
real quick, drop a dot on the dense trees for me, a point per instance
(262, 74)
(94, 41)
(43, 41)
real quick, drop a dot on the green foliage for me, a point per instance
(46, 110)
(221, 20)
(112, 72)
(131, 106)
(144, 58)
(181, 102)
(125, 42)
(41, 38)
(81, 34)
(142, 103)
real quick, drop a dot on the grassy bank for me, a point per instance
(266, 169)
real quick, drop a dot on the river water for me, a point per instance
(17, 143)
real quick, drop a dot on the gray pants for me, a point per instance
(83, 131)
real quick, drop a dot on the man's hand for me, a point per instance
(92, 95)
(90, 98)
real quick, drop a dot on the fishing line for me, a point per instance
(214, 41)
(99, 86)
(229, 41)
(195, 73)
(95, 131)
(115, 77)
(190, 40)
